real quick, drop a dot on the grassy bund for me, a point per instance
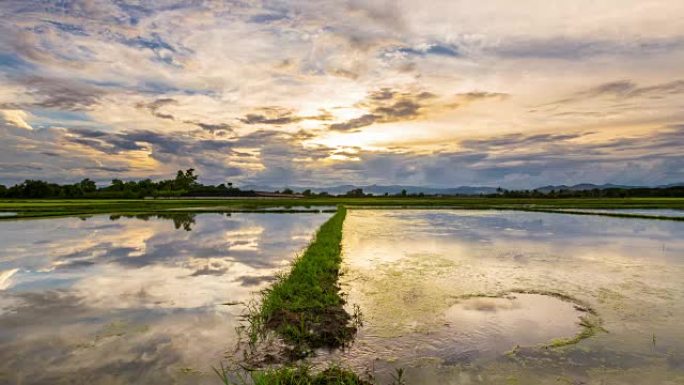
(305, 307)
(56, 207)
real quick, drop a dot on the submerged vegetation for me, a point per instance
(294, 375)
(305, 307)
(590, 323)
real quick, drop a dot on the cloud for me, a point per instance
(270, 91)
(473, 96)
(16, 118)
(156, 105)
(573, 48)
(352, 124)
(429, 49)
(279, 116)
(388, 105)
(626, 89)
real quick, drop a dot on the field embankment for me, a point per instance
(58, 207)
(305, 307)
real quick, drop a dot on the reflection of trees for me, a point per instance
(180, 220)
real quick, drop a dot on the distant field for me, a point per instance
(56, 207)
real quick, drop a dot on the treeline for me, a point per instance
(184, 185)
(643, 192)
(613, 192)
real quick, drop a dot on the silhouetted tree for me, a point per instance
(356, 193)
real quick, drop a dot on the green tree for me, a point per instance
(88, 186)
(356, 193)
(185, 180)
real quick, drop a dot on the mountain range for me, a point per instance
(461, 190)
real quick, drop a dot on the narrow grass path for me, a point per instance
(305, 307)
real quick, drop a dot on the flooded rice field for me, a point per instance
(652, 212)
(462, 297)
(450, 296)
(134, 300)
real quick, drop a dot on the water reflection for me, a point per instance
(652, 212)
(410, 270)
(144, 300)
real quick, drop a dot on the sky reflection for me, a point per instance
(133, 300)
(410, 270)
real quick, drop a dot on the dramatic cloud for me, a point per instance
(301, 92)
(16, 118)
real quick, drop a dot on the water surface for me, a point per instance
(652, 212)
(433, 285)
(143, 300)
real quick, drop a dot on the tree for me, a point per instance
(185, 180)
(3, 190)
(117, 185)
(403, 192)
(357, 192)
(88, 186)
(288, 191)
(306, 192)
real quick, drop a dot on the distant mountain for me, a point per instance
(382, 189)
(590, 186)
(462, 190)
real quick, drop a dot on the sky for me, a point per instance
(442, 93)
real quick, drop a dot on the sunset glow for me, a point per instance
(434, 93)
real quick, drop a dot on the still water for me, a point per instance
(134, 300)
(652, 212)
(451, 296)
(464, 297)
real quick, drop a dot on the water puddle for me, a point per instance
(7, 214)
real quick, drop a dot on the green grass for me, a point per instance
(305, 307)
(57, 207)
(296, 375)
